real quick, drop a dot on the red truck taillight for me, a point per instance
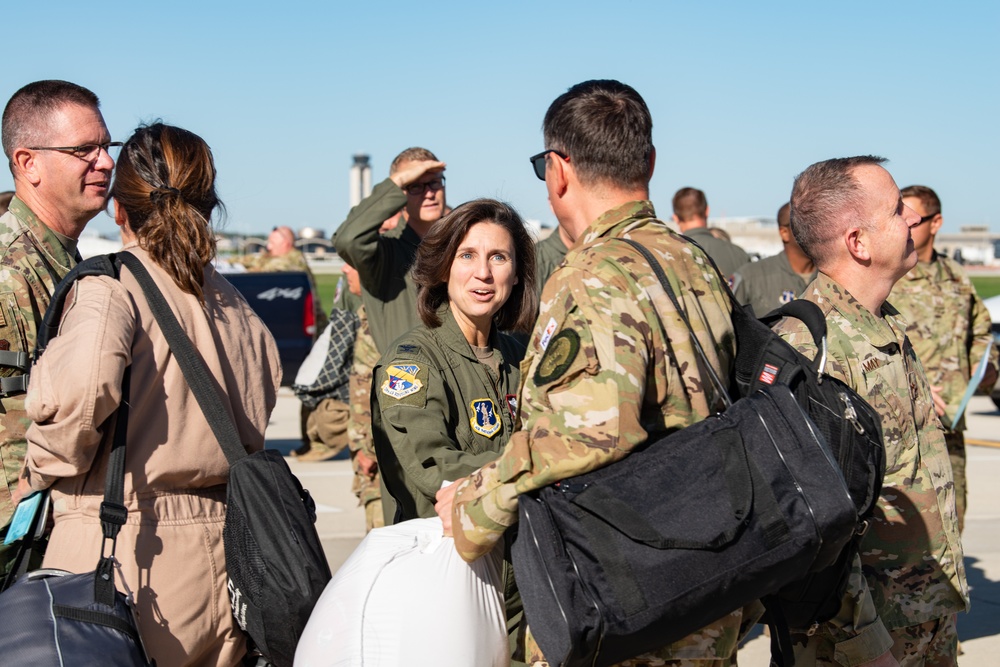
(309, 316)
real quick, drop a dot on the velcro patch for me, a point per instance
(559, 354)
(550, 329)
(484, 420)
(401, 380)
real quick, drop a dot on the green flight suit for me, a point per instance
(727, 256)
(549, 253)
(768, 283)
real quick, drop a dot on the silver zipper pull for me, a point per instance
(850, 414)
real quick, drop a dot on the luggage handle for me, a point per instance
(626, 520)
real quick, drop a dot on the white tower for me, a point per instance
(361, 178)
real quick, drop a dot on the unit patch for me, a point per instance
(401, 380)
(484, 420)
(558, 356)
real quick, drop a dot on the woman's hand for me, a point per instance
(444, 499)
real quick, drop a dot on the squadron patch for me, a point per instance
(560, 353)
(484, 420)
(401, 380)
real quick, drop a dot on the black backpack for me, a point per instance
(851, 429)
(275, 561)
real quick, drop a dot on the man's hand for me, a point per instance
(444, 499)
(884, 660)
(939, 404)
(414, 171)
(366, 464)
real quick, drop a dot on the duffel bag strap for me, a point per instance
(191, 364)
(113, 511)
(665, 283)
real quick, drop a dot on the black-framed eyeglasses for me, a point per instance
(420, 188)
(538, 162)
(87, 152)
(926, 218)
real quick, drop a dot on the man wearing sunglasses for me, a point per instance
(416, 185)
(948, 325)
(57, 145)
(590, 394)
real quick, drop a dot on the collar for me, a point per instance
(455, 339)
(619, 217)
(61, 248)
(880, 331)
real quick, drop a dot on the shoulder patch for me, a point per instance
(485, 420)
(401, 380)
(559, 354)
(550, 329)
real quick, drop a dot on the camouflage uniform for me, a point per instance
(726, 255)
(359, 423)
(950, 329)
(609, 366)
(383, 263)
(32, 262)
(911, 557)
(549, 253)
(768, 283)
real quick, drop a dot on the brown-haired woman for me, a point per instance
(170, 549)
(444, 394)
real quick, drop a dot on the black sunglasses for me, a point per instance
(926, 218)
(538, 162)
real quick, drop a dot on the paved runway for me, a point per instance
(340, 523)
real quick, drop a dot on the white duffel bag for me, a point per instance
(405, 597)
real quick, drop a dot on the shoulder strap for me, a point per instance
(665, 283)
(191, 364)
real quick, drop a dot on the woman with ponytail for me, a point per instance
(170, 549)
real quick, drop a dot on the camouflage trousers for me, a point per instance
(931, 644)
(956, 452)
(373, 515)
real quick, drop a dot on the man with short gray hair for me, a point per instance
(57, 146)
(908, 581)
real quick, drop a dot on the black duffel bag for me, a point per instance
(275, 561)
(636, 555)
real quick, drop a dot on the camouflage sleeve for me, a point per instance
(857, 631)
(580, 403)
(359, 428)
(68, 410)
(419, 427)
(981, 336)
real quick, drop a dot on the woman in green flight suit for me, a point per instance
(444, 395)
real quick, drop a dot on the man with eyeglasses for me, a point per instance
(57, 145)
(590, 393)
(948, 325)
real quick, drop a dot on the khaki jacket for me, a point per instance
(171, 546)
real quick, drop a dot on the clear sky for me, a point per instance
(744, 95)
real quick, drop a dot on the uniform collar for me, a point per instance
(45, 238)
(619, 217)
(878, 331)
(452, 335)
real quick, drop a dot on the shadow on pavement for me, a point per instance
(983, 619)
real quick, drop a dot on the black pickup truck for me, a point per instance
(284, 301)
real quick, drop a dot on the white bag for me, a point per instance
(405, 597)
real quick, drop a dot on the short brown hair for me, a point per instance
(605, 128)
(927, 197)
(436, 253)
(690, 203)
(414, 154)
(823, 196)
(785, 215)
(27, 114)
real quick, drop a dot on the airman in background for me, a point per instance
(691, 218)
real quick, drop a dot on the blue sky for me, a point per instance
(743, 95)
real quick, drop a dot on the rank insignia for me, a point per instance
(558, 356)
(401, 380)
(485, 420)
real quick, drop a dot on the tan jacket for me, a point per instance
(171, 547)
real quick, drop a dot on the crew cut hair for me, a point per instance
(437, 250)
(26, 116)
(605, 128)
(825, 197)
(413, 154)
(690, 203)
(927, 197)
